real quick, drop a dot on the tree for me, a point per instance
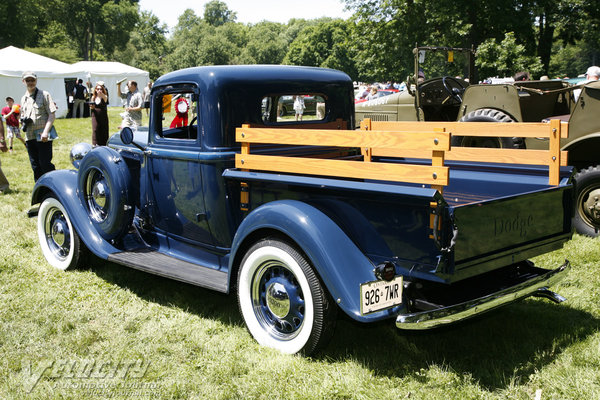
(216, 13)
(95, 24)
(323, 45)
(505, 58)
(147, 45)
(266, 44)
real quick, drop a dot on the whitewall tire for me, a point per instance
(281, 299)
(60, 243)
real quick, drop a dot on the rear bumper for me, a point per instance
(537, 286)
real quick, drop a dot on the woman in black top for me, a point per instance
(99, 113)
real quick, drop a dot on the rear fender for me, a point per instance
(338, 261)
(62, 184)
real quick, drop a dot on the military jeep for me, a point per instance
(426, 99)
(535, 101)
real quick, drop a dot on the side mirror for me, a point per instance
(126, 135)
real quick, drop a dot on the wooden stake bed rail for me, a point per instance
(553, 157)
(433, 143)
(425, 140)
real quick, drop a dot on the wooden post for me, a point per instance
(365, 125)
(244, 190)
(437, 160)
(554, 161)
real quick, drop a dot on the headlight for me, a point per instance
(78, 152)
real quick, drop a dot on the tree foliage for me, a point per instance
(216, 13)
(553, 37)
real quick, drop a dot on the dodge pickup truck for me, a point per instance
(303, 220)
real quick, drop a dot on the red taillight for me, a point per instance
(386, 271)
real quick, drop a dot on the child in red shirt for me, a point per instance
(11, 114)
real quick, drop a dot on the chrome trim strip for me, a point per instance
(451, 314)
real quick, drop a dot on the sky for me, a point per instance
(250, 11)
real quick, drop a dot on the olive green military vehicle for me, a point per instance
(535, 101)
(426, 99)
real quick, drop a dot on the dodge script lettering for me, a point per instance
(514, 225)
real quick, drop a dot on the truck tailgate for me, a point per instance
(490, 229)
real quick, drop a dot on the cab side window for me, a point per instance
(179, 115)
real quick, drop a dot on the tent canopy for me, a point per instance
(53, 75)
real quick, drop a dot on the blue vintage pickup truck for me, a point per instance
(305, 219)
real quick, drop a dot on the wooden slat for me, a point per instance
(421, 174)
(342, 138)
(483, 129)
(476, 154)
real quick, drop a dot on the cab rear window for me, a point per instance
(296, 107)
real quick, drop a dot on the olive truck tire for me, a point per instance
(487, 115)
(587, 207)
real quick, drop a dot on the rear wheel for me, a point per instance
(282, 300)
(487, 115)
(587, 211)
(59, 241)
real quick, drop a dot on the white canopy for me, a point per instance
(51, 76)
(110, 73)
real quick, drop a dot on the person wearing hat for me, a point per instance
(37, 117)
(4, 185)
(591, 75)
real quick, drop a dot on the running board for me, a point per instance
(170, 267)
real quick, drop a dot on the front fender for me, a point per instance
(62, 184)
(337, 260)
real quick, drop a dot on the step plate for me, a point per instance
(170, 267)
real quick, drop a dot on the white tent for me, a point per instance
(51, 76)
(110, 73)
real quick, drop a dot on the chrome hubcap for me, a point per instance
(278, 300)
(58, 232)
(58, 235)
(97, 195)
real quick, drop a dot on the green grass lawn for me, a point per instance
(106, 331)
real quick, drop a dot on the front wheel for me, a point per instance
(282, 300)
(59, 241)
(587, 212)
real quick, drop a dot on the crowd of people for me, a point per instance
(32, 120)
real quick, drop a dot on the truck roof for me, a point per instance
(264, 75)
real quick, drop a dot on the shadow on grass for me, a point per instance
(493, 349)
(199, 301)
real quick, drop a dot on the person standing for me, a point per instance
(38, 112)
(99, 114)
(132, 117)
(4, 185)
(11, 114)
(299, 107)
(79, 94)
(147, 91)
